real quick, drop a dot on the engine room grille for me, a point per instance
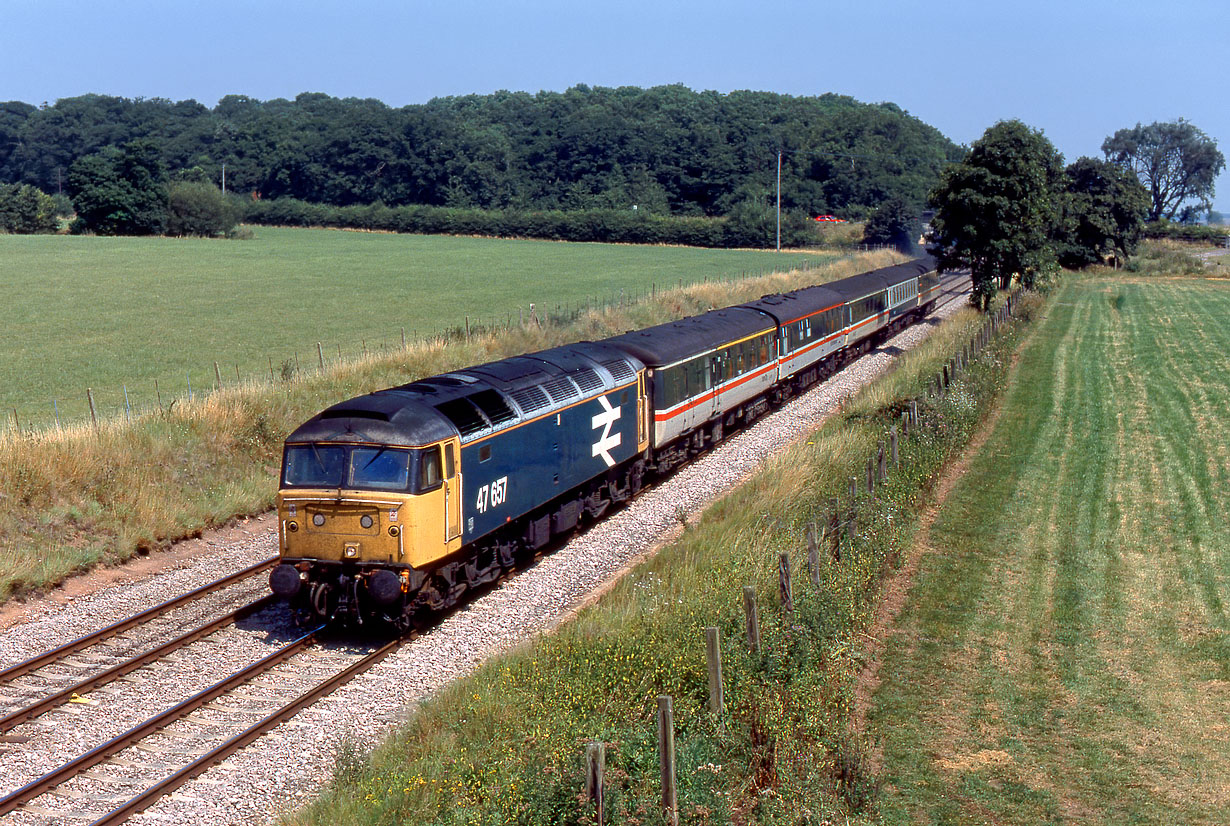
(493, 406)
(561, 390)
(621, 371)
(530, 399)
(587, 379)
(463, 415)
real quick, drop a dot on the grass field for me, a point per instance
(108, 312)
(1065, 653)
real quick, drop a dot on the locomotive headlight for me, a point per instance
(318, 519)
(365, 521)
(292, 526)
(394, 530)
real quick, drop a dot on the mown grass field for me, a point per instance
(1065, 653)
(108, 312)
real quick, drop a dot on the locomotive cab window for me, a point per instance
(314, 466)
(381, 468)
(428, 477)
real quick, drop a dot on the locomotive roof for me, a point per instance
(675, 340)
(476, 401)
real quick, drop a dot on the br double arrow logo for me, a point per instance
(608, 441)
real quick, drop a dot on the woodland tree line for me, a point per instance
(667, 150)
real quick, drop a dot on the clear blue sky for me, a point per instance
(1076, 69)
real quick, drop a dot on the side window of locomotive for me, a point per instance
(315, 466)
(379, 467)
(448, 461)
(429, 470)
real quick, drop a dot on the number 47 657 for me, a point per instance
(492, 495)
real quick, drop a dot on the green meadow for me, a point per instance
(1065, 654)
(110, 313)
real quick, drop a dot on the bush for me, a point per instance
(198, 208)
(751, 227)
(1187, 232)
(26, 210)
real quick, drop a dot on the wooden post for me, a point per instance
(871, 475)
(939, 385)
(892, 439)
(89, 394)
(595, 780)
(713, 654)
(158, 393)
(403, 346)
(127, 407)
(753, 618)
(666, 757)
(905, 423)
(16, 421)
(320, 354)
(270, 368)
(882, 461)
(784, 583)
(218, 375)
(853, 488)
(813, 555)
(914, 413)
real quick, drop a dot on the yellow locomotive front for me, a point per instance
(360, 523)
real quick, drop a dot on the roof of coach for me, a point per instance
(864, 284)
(476, 401)
(788, 307)
(677, 340)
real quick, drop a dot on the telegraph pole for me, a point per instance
(779, 201)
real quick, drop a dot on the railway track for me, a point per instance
(200, 741)
(131, 770)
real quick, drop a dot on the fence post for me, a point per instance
(914, 413)
(403, 338)
(892, 438)
(713, 654)
(89, 394)
(813, 555)
(882, 462)
(871, 474)
(595, 781)
(218, 375)
(666, 756)
(853, 488)
(784, 583)
(753, 618)
(320, 354)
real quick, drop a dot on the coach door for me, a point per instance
(452, 491)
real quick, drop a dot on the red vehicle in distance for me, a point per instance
(830, 219)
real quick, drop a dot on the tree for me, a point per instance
(996, 210)
(895, 222)
(1104, 208)
(198, 208)
(1175, 161)
(26, 210)
(120, 191)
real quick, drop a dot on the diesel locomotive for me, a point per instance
(399, 501)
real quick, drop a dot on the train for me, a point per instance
(393, 504)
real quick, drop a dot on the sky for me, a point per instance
(1077, 69)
